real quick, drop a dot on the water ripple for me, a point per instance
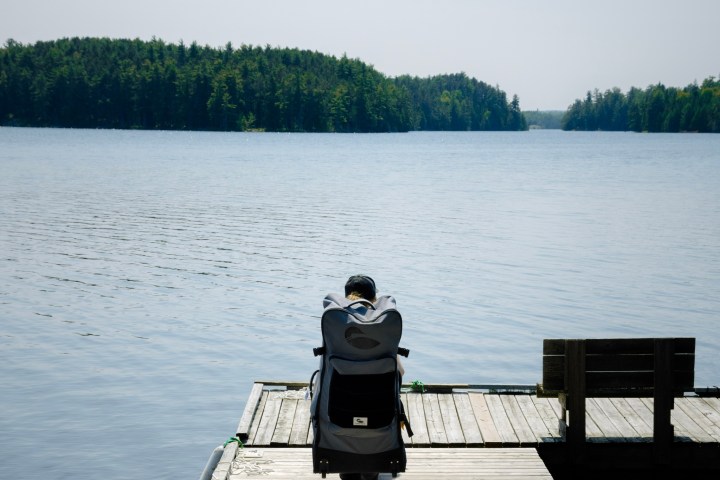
(147, 278)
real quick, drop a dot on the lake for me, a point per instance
(147, 278)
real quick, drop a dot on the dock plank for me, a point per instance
(599, 429)
(643, 411)
(422, 464)
(681, 419)
(404, 431)
(434, 420)
(489, 432)
(534, 419)
(519, 422)
(451, 421)
(502, 421)
(712, 414)
(281, 418)
(642, 429)
(613, 415)
(548, 415)
(416, 415)
(251, 405)
(692, 410)
(555, 405)
(470, 428)
(254, 426)
(310, 436)
(269, 419)
(713, 402)
(222, 469)
(286, 416)
(300, 424)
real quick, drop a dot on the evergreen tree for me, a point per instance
(655, 109)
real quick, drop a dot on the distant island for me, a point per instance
(695, 108)
(135, 84)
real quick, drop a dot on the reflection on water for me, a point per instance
(147, 278)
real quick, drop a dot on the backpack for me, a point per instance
(356, 409)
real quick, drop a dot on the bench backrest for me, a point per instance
(620, 366)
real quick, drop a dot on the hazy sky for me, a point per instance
(548, 52)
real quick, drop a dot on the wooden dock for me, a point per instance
(423, 464)
(279, 416)
(460, 424)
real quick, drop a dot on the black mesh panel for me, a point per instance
(362, 401)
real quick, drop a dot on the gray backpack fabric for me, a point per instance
(356, 409)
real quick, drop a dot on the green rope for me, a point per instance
(233, 439)
(418, 386)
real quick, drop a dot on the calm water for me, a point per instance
(147, 278)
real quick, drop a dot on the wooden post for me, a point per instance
(663, 401)
(575, 384)
(563, 420)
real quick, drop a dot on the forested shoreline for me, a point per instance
(695, 108)
(135, 84)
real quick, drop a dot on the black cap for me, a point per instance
(361, 284)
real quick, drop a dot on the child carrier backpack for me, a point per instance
(356, 410)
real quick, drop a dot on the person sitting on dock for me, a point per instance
(362, 287)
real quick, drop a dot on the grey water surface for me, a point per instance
(147, 278)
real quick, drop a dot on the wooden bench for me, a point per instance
(575, 369)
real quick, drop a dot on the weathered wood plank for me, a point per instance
(311, 435)
(251, 405)
(403, 431)
(534, 419)
(286, 415)
(470, 428)
(433, 418)
(555, 405)
(301, 424)
(549, 416)
(689, 425)
(423, 464)
(451, 421)
(418, 422)
(714, 403)
(643, 429)
(282, 418)
(614, 416)
(712, 414)
(592, 415)
(502, 421)
(692, 410)
(483, 417)
(269, 419)
(519, 422)
(222, 469)
(254, 426)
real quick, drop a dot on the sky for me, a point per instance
(548, 52)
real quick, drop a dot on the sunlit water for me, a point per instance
(147, 278)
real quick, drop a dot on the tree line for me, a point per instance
(128, 84)
(695, 108)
